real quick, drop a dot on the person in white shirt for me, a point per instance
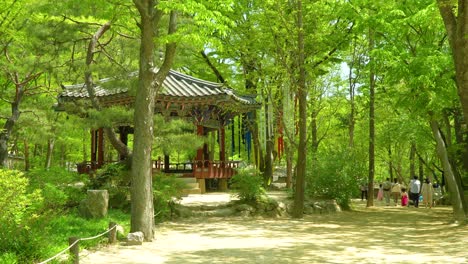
(415, 189)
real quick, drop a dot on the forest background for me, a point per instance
(358, 90)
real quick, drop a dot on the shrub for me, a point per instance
(18, 241)
(333, 176)
(58, 187)
(115, 178)
(166, 188)
(248, 185)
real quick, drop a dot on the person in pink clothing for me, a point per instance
(404, 197)
(380, 193)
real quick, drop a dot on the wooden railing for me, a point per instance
(208, 169)
(86, 167)
(200, 169)
(174, 167)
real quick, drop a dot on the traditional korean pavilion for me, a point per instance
(210, 106)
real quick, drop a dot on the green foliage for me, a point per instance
(59, 187)
(335, 176)
(248, 185)
(61, 227)
(166, 188)
(18, 215)
(115, 178)
(27, 218)
(176, 137)
(16, 204)
(8, 258)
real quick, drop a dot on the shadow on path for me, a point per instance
(364, 235)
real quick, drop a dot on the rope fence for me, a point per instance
(74, 244)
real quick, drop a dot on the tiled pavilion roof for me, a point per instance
(178, 88)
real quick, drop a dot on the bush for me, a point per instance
(59, 187)
(18, 217)
(248, 185)
(115, 178)
(333, 176)
(166, 188)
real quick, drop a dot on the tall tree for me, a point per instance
(370, 196)
(22, 66)
(149, 84)
(302, 99)
(455, 16)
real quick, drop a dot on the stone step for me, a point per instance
(188, 179)
(192, 186)
(186, 192)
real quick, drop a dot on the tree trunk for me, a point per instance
(370, 195)
(121, 148)
(50, 151)
(460, 210)
(213, 68)
(421, 168)
(352, 103)
(63, 156)
(27, 163)
(298, 210)
(390, 162)
(289, 164)
(412, 160)
(141, 190)
(314, 132)
(268, 171)
(251, 119)
(149, 84)
(9, 125)
(461, 137)
(258, 150)
(457, 30)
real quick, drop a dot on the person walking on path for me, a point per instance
(380, 193)
(427, 190)
(415, 188)
(364, 188)
(396, 191)
(404, 197)
(387, 187)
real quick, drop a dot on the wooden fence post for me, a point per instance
(112, 232)
(75, 249)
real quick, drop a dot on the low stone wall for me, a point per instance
(266, 207)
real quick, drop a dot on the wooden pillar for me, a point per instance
(222, 144)
(74, 249)
(222, 182)
(202, 185)
(93, 146)
(100, 154)
(97, 148)
(112, 233)
(200, 154)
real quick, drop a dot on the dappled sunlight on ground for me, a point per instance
(366, 235)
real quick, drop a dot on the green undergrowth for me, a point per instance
(46, 238)
(72, 225)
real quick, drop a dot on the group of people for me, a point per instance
(397, 192)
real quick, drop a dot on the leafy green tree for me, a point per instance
(151, 77)
(454, 15)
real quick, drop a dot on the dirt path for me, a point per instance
(366, 235)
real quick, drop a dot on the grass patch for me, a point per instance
(61, 227)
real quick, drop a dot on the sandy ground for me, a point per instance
(366, 235)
